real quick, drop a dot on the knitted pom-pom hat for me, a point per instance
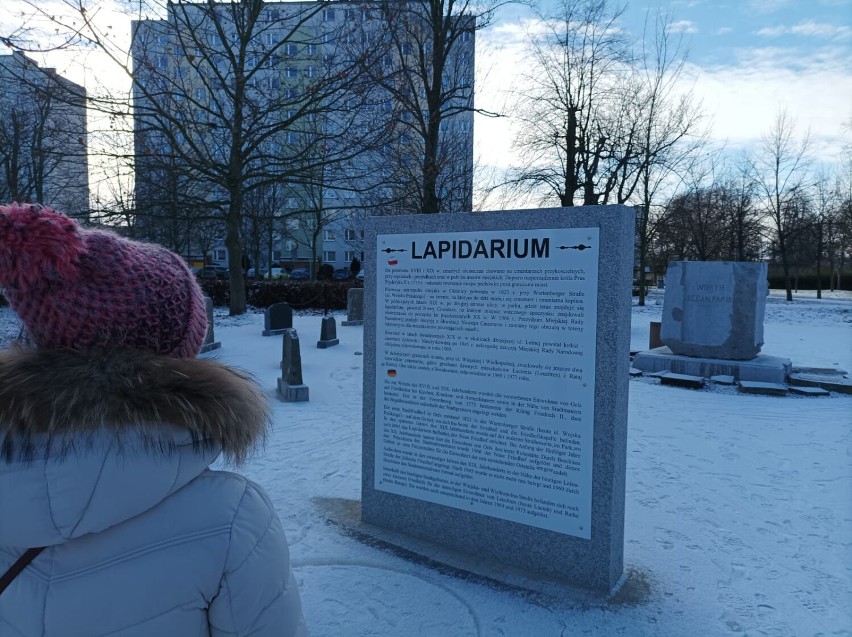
(84, 289)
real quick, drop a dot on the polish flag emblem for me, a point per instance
(392, 262)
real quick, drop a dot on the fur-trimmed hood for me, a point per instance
(88, 440)
(64, 393)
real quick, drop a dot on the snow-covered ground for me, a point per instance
(739, 507)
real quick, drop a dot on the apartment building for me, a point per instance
(301, 114)
(43, 138)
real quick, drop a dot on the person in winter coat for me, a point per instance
(108, 426)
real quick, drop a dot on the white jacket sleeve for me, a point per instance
(258, 596)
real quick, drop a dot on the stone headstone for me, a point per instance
(354, 307)
(328, 333)
(495, 386)
(831, 382)
(714, 309)
(290, 386)
(682, 380)
(210, 342)
(654, 335)
(767, 389)
(277, 318)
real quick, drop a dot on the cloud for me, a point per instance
(683, 26)
(724, 31)
(809, 29)
(768, 6)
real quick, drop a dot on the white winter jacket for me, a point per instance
(104, 460)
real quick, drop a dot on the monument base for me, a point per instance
(331, 343)
(209, 347)
(274, 332)
(631, 589)
(762, 368)
(351, 323)
(292, 393)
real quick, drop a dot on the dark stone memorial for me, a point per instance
(277, 318)
(328, 333)
(291, 389)
(210, 342)
(354, 307)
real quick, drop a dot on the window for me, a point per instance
(311, 71)
(291, 71)
(293, 137)
(291, 50)
(329, 15)
(269, 39)
(273, 15)
(328, 235)
(328, 38)
(350, 234)
(311, 49)
(329, 256)
(276, 256)
(161, 61)
(351, 14)
(220, 254)
(200, 94)
(291, 94)
(467, 36)
(272, 83)
(349, 255)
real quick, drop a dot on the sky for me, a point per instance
(748, 60)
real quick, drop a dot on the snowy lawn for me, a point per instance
(739, 508)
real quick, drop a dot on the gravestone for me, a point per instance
(495, 387)
(290, 386)
(210, 342)
(354, 307)
(328, 333)
(714, 309)
(277, 318)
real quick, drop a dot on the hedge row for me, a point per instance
(809, 282)
(317, 295)
(299, 295)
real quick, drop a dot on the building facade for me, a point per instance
(300, 115)
(43, 137)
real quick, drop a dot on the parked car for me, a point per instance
(269, 273)
(360, 275)
(341, 274)
(300, 274)
(212, 272)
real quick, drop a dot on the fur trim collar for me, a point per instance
(66, 395)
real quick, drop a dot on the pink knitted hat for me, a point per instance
(84, 289)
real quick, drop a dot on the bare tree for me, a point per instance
(780, 170)
(427, 73)
(42, 137)
(221, 92)
(576, 103)
(669, 132)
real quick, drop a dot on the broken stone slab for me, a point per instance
(831, 383)
(755, 387)
(714, 309)
(682, 380)
(635, 372)
(820, 371)
(809, 391)
(723, 379)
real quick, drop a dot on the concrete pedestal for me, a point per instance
(761, 368)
